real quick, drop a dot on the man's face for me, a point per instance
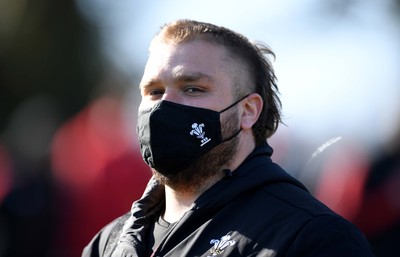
(193, 73)
(198, 74)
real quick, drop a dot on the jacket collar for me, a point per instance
(257, 170)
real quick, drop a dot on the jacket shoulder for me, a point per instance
(329, 235)
(104, 241)
(293, 197)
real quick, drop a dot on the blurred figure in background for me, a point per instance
(43, 80)
(97, 172)
(59, 145)
(379, 213)
(363, 189)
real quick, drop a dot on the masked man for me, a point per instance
(209, 103)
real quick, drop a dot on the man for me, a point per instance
(209, 102)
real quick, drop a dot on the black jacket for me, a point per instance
(258, 211)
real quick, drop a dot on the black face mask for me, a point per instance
(173, 136)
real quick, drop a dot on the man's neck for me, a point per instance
(178, 202)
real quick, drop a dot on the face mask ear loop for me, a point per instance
(227, 108)
(230, 106)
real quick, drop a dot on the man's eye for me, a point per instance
(193, 90)
(156, 92)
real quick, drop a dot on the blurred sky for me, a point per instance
(337, 61)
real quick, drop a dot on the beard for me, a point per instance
(208, 166)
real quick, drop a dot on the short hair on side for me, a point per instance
(253, 56)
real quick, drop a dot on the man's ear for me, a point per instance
(252, 108)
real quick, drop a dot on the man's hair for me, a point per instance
(253, 57)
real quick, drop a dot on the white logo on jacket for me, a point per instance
(221, 244)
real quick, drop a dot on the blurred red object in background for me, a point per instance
(99, 173)
(5, 173)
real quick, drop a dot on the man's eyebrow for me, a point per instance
(187, 77)
(191, 77)
(148, 83)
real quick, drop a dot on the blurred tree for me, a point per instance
(46, 48)
(50, 64)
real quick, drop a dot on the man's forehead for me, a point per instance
(159, 45)
(183, 58)
(192, 60)
(188, 73)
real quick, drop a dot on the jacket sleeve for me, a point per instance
(330, 235)
(92, 249)
(103, 242)
(97, 245)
